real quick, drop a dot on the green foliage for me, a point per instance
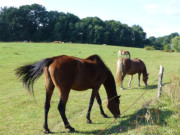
(139, 35)
(161, 42)
(149, 47)
(64, 29)
(167, 48)
(158, 46)
(34, 23)
(176, 43)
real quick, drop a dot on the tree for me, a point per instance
(139, 36)
(165, 40)
(24, 23)
(39, 17)
(90, 30)
(8, 22)
(4, 31)
(64, 29)
(33, 22)
(118, 33)
(176, 43)
(52, 18)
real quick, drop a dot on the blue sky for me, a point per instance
(156, 17)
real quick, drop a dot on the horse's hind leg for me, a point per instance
(129, 84)
(62, 107)
(124, 74)
(49, 91)
(98, 98)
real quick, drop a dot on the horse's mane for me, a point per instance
(145, 73)
(98, 59)
(145, 69)
(109, 83)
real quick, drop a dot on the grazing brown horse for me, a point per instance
(121, 52)
(66, 73)
(130, 67)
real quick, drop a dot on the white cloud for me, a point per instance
(160, 30)
(152, 6)
(172, 11)
(17, 3)
(162, 7)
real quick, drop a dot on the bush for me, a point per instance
(149, 48)
(176, 43)
(167, 48)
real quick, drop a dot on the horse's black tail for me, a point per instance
(30, 73)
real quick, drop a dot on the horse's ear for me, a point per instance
(119, 96)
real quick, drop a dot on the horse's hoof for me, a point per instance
(89, 121)
(47, 131)
(105, 116)
(71, 129)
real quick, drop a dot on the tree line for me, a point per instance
(34, 23)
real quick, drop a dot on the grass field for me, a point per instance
(19, 114)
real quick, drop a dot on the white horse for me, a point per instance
(121, 52)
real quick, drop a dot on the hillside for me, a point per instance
(19, 114)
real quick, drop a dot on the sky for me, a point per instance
(157, 17)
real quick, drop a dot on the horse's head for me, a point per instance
(145, 79)
(113, 106)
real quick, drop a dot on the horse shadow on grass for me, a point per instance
(151, 87)
(94, 132)
(142, 117)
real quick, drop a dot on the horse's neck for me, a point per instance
(145, 72)
(110, 86)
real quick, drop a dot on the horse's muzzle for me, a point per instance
(146, 84)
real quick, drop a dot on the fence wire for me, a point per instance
(147, 88)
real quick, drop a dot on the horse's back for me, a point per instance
(132, 66)
(78, 74)
(140, 64)
(127, 65)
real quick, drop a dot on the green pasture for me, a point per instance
(20, 115)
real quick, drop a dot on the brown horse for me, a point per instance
(130, 67)
(67, 72)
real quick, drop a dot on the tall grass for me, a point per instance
(172, 92)
(164, 113)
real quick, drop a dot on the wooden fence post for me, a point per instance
(160, 80)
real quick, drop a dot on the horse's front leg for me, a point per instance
(93, 95)
(129, 84)
(98, 98)
(139, 75)
(62, 108)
